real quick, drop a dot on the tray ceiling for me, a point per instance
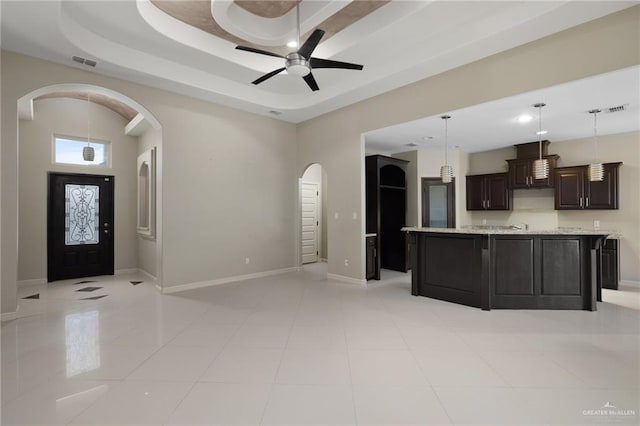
(198, 14)
(188, 47)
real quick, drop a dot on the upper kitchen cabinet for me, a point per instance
(521, 168)
(574, 191)
(488, 192)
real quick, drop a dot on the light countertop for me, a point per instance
(566, 231)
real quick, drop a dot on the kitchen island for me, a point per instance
(507, 268)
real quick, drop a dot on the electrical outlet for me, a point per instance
(355, 215)
(484, 221)
(335, 215)
(246, 260)
(346, 262)
(596, 224)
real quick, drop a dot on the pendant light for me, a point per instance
(446, 171)
(541, 165)
(88, 153)
(596, 169)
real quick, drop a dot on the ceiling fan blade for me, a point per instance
(327, 63)
(309, 46)
(268, 76)
(311, 82)
(259, 51)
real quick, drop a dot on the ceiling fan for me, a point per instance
(301, 63)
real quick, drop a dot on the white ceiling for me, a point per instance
(495, 124)
(402, 42)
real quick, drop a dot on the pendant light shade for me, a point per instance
(446, 171)
(88, 153)
(596, 169)
(541, 165)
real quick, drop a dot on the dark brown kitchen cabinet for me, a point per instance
(488, 192)
(386, 208)
(574, 191)
(371, 257)
(610, 264)
(521, 173)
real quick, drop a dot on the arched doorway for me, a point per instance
(137, 123)
(312, 202)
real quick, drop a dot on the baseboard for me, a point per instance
(630, 283)
(323, 260)
(210, 283)
(8, 316)
(36, 281)
(344, 279)
(145, 273)
(125, 271)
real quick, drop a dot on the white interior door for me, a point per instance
(309, 200)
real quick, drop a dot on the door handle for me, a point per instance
(580, 201)
(587, 203)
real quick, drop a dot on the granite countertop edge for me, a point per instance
(608, 233)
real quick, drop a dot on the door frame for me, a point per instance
(109, 268)
(318, 221)
(451, 200)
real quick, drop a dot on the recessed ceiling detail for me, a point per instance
(197, 13)
(114, 105)
(398, 42)
(267, 9)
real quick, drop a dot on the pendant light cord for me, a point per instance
(88, 119)
(595, 135)
(446, 138)
(540, 129)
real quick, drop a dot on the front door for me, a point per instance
(80, 226)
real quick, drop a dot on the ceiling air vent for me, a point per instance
(84, 61)
(617, 108)
(411, 144)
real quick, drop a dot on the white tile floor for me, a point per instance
(298, 349)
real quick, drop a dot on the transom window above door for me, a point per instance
(69, 150)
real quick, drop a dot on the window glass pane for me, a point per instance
(438, 206)
(81, 211)
(69, 151)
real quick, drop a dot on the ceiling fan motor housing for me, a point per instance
(296, 64)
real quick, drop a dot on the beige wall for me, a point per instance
(535, 207)
(148, 247)
(68, 117)
(335, 141)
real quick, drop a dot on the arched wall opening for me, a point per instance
(143, 128)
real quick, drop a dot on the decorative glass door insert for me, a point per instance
(82, 210)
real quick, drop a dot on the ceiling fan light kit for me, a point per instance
(300, 63)
(296, 64)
